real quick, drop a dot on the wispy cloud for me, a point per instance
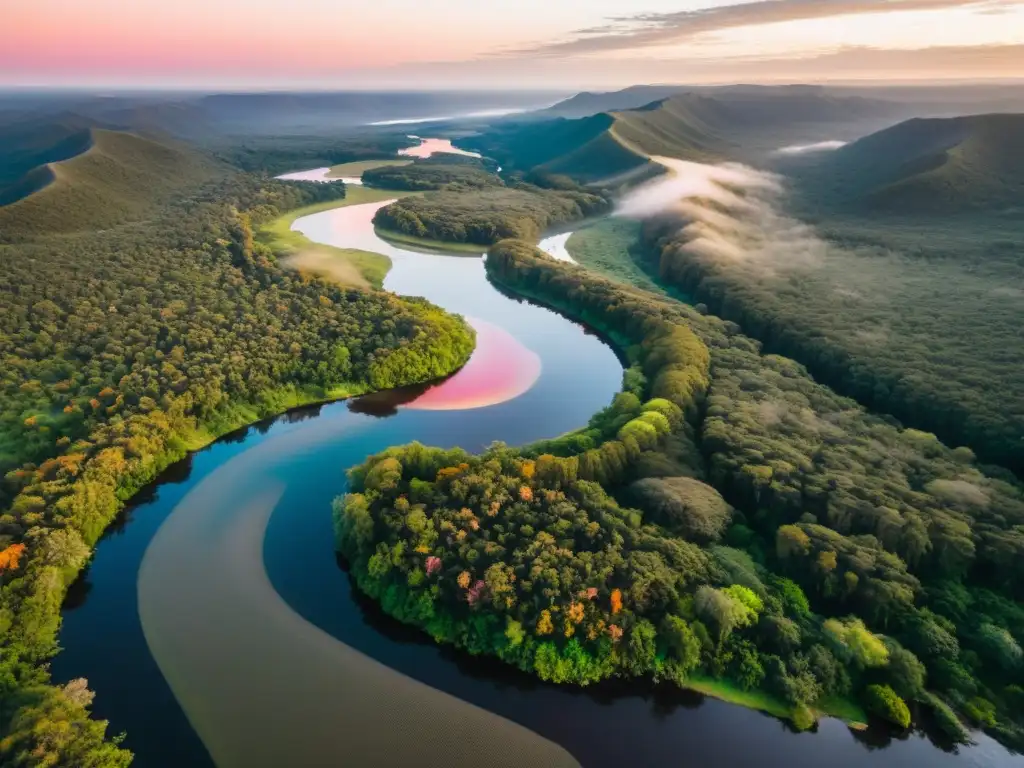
(652, 29)
(851, 63)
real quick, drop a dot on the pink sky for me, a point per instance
(503, 43)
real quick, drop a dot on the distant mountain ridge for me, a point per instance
(612, 146)
(735, 123)
(934, 166)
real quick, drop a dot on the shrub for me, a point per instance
(884, 702)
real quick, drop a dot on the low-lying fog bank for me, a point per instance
(801, 149)
(728, 211)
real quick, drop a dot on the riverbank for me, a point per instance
(356, 169)
(298, 557)
(345, 266)
(241, 342)
(393, 716)
(426, 244)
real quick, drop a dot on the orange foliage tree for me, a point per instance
(616, 601)
(10, 557)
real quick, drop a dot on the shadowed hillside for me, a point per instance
(615, 145)
(685, 126)
(744, 123)
(941, 166)
(27, 144)
(583, 149)
(119, 178)
(30, 183)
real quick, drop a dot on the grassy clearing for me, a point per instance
(346, 266)
(732, 693)
(272, 403)
(838, 707)
(846, 710)
(605, 248)
(425, 244)
(357, 168)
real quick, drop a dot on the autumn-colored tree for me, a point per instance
(525, 493)
(544, 624)
(616, 601)
(10, 557)
(463, 579)
(827, 561)
(575, 612)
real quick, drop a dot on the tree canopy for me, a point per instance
(802, 545)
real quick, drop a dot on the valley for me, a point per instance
(715, 386)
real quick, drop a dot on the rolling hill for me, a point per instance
(932, 166)
(589, 103)
(120, 177)
(744, 123)
(686, 126)
(582, 149)
(612, 146)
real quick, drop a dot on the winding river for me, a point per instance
(218, 628)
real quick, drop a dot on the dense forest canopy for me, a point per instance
(123, 348)
(954, 167)
(280, 154)
(783, 537)
(485, 216)
(434, 172)
(919, 318)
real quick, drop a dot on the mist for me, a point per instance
(728, 212)
(802, 149)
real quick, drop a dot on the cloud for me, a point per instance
(854, 63)
(802, 149)
(728, 214)
(652, 29)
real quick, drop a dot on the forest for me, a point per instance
(122, 349)
(929, 327)
(279, 154)
(434, 172)
(485, 216)
(725, 517)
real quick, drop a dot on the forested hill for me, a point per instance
(584, 149)
(703, 125)
(793, 102)
(118, 177)
(615, 145)
(947, 166)
(688, 127)
(122, 346)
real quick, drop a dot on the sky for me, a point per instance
(510, 44)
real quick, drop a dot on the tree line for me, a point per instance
(125, 348)
(726, 516)
(489, 214)
(928, 334)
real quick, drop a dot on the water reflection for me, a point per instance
(259, 664)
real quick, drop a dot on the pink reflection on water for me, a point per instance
(500, 369)
(428, 147)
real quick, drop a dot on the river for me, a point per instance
(218, 628)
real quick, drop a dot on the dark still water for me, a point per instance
(217, 627)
